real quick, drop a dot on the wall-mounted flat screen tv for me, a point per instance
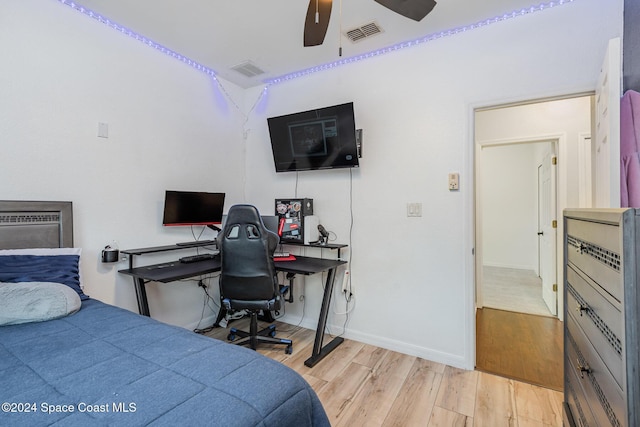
(192, 208)
(324, 138)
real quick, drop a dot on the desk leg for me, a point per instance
(222, 313)
(320, 352)
(141, 296)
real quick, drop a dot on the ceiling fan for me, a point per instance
(319, 12)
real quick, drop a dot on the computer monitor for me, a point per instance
(192, 208)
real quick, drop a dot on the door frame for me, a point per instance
(469, 181)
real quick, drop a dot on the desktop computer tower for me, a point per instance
(291, 215)
(311, 233)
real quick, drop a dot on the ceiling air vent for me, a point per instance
(364, 31)
(248, 69)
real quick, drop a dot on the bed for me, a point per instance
(83, 362)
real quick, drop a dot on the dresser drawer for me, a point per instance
(579, 411)
(601, 391)
(600, 320)
(595, 249)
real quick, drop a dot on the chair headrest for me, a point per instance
(244, 214)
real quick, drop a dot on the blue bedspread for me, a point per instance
(108, 366)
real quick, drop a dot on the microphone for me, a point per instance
(324, 233)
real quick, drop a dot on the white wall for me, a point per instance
(509, 206)
(169, 128)
(413, 277)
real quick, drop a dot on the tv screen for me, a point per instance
(192, 208)
(324, 138)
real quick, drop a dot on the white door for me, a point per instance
(607, 130)
(547, 229)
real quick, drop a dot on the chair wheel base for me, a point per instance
(253, 338)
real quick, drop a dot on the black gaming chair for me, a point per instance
(248, 276)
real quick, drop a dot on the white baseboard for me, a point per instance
(516, 267)
(454, 360)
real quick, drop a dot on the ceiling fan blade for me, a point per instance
(413, 9)
(315, 25)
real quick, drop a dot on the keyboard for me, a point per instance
(281, 254)
(196, 258)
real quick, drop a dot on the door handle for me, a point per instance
(540, 233)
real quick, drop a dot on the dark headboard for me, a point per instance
(29, 224)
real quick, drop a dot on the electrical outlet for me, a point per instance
(345, 281)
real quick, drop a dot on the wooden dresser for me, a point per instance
(601, 323)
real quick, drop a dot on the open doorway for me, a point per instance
(518, 193)
(512, 143)
(527, 172)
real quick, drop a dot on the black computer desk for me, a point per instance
(175, 270)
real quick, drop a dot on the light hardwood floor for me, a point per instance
(363, 385)
(524, 347)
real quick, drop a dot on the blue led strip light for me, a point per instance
(305, 72)
(143, 39)
(424, 39)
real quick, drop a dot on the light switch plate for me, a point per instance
(414, 209)
(103, 130)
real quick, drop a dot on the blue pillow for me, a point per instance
(59, 265)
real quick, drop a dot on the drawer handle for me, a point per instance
(583, 369)
(581, 308)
